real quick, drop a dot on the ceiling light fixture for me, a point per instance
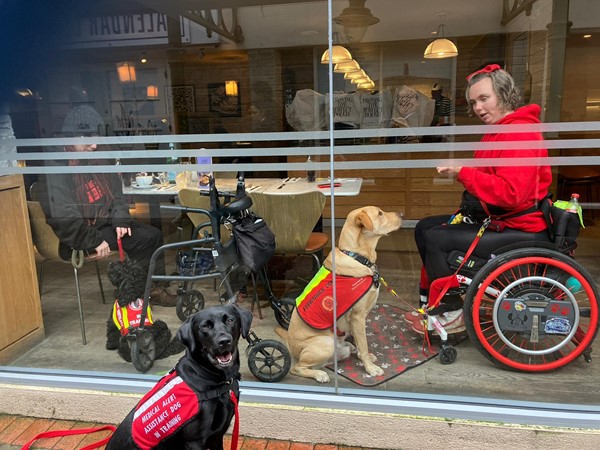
(367, 86)
(152, 91)
(126, 72)
(441, 47)
(355, 19)
(360, 80)
(339, 54)
(346, 66)
(231, 88)
(354, 75)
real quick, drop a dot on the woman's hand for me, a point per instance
(103, 250)
(448, 170)
(122, 231)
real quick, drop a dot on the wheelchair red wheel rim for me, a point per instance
(489, 336)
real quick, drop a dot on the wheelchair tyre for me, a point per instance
(188, 303)
(269, 360)
(532, 310)
(143, 350)
(283, 309)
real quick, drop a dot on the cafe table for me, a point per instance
(296, 185)
(155, 194)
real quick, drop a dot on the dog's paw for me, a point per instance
(374, 371)
(372, 357)
(321, 376)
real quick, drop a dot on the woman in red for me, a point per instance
(512, 190)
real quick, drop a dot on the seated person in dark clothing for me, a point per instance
(509, 191)
(87, 211)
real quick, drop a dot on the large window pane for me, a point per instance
(179, 91)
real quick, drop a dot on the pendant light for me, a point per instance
(126, 72)
(440, 47)
(356, 19)
(339, 52)
(346, 66)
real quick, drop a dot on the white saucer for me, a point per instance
(150, 186)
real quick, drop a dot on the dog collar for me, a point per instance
(365, 262)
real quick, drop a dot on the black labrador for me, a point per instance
(191, 407)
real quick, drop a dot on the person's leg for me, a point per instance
(442, 240)
(421, 229)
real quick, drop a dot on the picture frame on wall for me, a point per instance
(180, 99)
(219, 101)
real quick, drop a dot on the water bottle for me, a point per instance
(171, 175)
(310, 172)
(573, 206)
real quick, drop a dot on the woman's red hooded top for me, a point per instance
(514, 188)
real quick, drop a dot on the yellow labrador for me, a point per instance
(355, 258)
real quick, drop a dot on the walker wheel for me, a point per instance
(448, 355)
(143, 349)
(188, 303)
(269, 360)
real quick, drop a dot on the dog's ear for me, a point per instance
(245, 320)
(363, 220)
(186, 333)
(115, 273)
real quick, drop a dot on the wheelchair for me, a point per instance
(530, 308)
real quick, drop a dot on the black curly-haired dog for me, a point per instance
(129, 280)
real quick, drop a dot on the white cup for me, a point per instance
(143, 180)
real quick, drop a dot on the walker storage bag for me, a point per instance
(254, 240)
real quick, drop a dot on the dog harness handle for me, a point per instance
(61, 433)
(236, 424)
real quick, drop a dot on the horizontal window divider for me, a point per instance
(323, 166)
(320, 135)
(305, 151)
(344, 400)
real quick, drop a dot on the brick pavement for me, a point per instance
(15, 431)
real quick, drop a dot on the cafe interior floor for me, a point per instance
(577, 383)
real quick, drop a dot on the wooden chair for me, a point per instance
(47, 244)
(193, 199)
(292, 218)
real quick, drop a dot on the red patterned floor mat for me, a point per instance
(397, 347)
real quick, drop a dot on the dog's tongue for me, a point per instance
(225, 358)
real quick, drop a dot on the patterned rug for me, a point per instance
(397, 347)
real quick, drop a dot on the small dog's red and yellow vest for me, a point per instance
(315, 304)
(169, 405)
(130, 316)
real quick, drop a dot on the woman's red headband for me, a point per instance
(487, 69)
